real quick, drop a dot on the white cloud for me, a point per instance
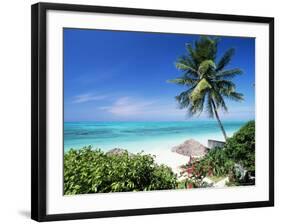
(128, 106)
(88, 97)
(156, 109)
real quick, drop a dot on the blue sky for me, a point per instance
(122, 76)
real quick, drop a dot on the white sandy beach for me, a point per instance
(171, 159)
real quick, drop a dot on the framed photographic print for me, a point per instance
(138, 111)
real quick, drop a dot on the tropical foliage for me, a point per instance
(92, 171)
(241, 147)
(238, 153)
(207, 80)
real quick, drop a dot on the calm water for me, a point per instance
(137, 136)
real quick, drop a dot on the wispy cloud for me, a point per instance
(128, 106)
(125, 106)
(88, 97)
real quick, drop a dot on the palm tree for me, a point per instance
(207, 81)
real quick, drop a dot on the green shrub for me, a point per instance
(241, 147)
(93, 171)
(216, 163)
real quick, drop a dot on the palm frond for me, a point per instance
(225, 59)
(229, 74)
(184, 98)
(199, 103)
(196, 107)
(225, 86)
(206, 48)
(192, 54)
(184, 67)
(186, 64)
(186, 81)
(236, 96)
(218, 100)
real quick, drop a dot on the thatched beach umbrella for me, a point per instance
(118, 152)
(191, 148)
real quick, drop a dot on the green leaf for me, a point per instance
(226, 58)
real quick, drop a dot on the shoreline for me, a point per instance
(142, 136)
(154, 144)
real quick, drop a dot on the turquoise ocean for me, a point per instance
(142, 136)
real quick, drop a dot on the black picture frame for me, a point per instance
(38, 116)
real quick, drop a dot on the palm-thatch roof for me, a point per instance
(191, 148)
(118, 151)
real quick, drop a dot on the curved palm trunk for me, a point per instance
(219, 121)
